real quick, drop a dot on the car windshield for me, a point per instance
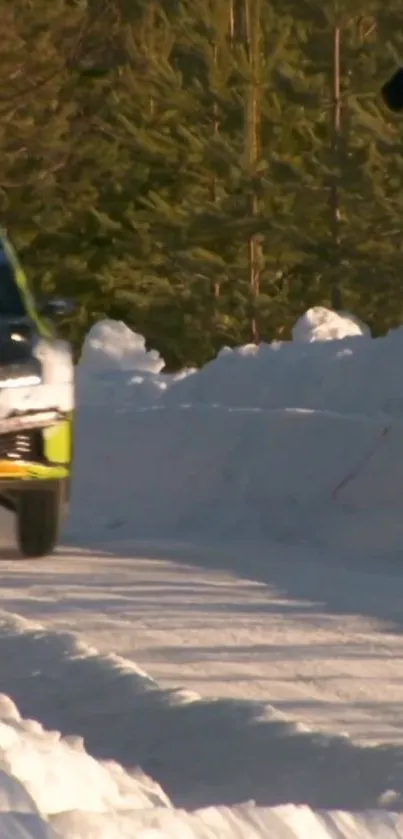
(11, 303)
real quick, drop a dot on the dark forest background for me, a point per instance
(204, 170)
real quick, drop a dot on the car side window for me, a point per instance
(11, 302)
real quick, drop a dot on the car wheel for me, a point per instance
(39, 515)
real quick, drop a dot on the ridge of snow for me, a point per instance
(115, 368)
(51, 788)
(111, 346)
(321, 324)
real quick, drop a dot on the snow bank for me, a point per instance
(348, 376)
(216, 753)
(325, 480)
(219, 472)
(87, 784)
(296, 441)
(247, 822)
(43, 775)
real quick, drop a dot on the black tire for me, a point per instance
(39, 516)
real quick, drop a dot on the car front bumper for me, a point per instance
(34, 448)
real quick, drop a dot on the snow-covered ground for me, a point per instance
(232, 767)
(236, 531)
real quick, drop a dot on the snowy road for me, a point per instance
(319, 641)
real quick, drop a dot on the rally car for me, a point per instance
(36, 410)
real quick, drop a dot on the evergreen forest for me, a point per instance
(204, 170)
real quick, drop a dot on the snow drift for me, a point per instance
(51, 787)
(294, 441)
(320, 324)
(117, 369)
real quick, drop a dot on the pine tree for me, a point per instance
(204, 169)
(339, 197)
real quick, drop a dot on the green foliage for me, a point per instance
(201, 169)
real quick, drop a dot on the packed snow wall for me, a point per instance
(292, 441)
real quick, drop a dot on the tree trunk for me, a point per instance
(336, 296)
(252, 144)
(216, 125)
(148, 39)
